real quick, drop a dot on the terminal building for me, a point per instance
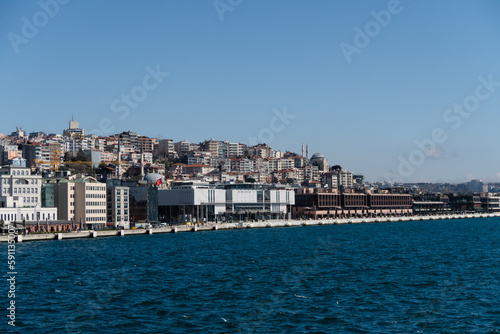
(203, 202)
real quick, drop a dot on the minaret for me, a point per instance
(119, 161)
(142, 159)
(307, 151)
(302, 150)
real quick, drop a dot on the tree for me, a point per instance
(67, 157)
(80, 156)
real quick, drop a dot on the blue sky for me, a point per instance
(228, 78)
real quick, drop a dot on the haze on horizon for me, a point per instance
(402, 90)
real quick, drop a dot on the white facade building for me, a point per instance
(199, 202)
(19, 182)
(20, 196)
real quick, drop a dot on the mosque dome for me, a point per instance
(318, 156)
(153, 177)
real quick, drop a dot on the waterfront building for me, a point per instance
(117, 207)
(142, 206)
(48, 195)
(90, 202)
(11, 212)
(334, 203)
(431, 204)
(200, 202)
(490, 202)
(18, 181)
(143, 201)
(20, 195)
(384, 203)
(64, 197)
(465, 202)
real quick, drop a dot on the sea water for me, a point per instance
(404, 277)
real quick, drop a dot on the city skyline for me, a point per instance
(376, 87)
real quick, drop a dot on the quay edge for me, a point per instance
(236, 225)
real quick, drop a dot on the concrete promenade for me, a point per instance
(234, 225)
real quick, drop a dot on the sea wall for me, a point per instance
(233, 225)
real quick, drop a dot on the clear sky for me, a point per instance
(359, 81)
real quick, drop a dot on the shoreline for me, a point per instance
(235, 225)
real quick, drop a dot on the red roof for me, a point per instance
(197, 165)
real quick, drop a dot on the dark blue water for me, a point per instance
(415, 277)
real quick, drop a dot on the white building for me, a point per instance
(19, 214)
(18, 181)
(199, 202)
(20, 196)
(90, 202)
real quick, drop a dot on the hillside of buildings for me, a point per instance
(75, 180)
